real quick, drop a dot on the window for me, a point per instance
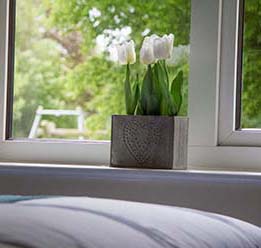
(62, 82)
(217, 141)
(67, 82)
(239, 112)
(221, 84)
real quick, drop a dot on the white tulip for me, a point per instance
(180, 56)
(170, 40)
(146, 53)
(156, 48)
(126, 53)
(163, 46)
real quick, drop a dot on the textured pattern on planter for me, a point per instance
(141, 139)
(147, 142)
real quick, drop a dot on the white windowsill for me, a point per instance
(107, 171)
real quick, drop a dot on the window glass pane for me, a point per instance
(67, 83)
(251, 100)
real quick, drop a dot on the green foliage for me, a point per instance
(149, 100)
(157, 97)
(251, 101)
(138, 14)
(57, 66)
(37, 69)
(176, 91)
(166, 106)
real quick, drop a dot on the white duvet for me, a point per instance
(70, 222)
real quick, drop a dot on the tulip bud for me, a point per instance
(126, 53)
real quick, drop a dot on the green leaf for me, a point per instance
(166, 72)
(139, 110)
(149, 94)
(145, 91)
(166, 104)
(176, 91)
(135, 94)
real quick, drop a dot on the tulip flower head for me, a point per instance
(156, 48)
(126, 53)
(163, 46)
(146, 53)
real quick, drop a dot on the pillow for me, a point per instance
(90, 222)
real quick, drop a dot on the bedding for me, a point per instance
(72, 222)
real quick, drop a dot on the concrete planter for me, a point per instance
(158, 142)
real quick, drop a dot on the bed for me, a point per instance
(70, 222)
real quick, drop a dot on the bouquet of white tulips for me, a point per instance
(156, 94)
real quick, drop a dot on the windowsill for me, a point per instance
(113, 172)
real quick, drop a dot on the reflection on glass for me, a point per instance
(67, 81)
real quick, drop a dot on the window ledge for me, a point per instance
(106, 172)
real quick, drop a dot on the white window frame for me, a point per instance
(229, 133)
(40, 151)
(47, 151)
(213, 141)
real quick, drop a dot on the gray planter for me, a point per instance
(158, 142)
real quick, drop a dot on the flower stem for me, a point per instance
(128, 91)
(166, 71)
